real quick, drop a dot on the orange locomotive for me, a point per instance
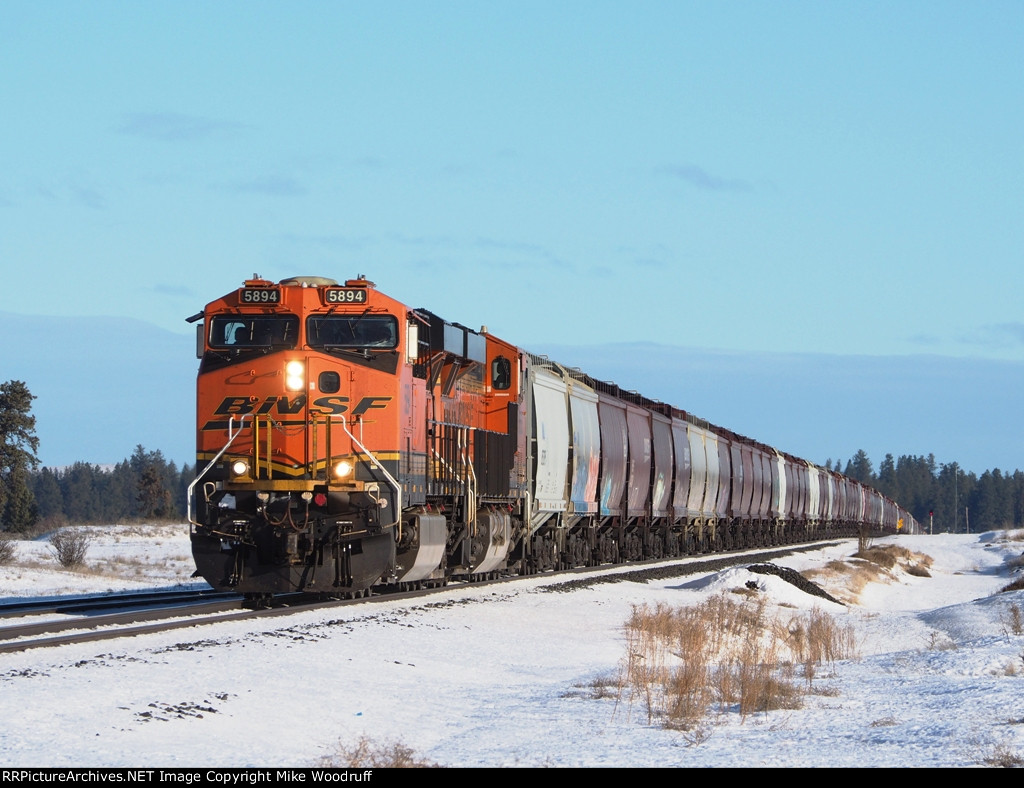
(339, 438)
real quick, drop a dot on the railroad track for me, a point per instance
(136, 614)
(98, 603)
(139, 617)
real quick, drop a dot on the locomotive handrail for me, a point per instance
(471, 484)
(391, 479)
(231, 439)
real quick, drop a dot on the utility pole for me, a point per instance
(956, 498)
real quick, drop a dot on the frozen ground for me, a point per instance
(508, 676)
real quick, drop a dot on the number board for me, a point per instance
(261, 295)
(345, 295)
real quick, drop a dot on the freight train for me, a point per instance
(345, 441)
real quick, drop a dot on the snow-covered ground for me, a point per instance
(507, 676)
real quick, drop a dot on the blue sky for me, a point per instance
(792, 177)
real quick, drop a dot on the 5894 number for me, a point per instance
(263, 295)
(341, 295)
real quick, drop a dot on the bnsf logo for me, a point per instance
(239, 406)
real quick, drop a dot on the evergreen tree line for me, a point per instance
(142, 487)
(943, 497)
(145, 486)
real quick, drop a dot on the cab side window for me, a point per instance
(501, 373)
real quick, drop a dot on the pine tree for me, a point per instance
(860, 468)
(888, 483)
(78, 489)
(154, 497)
(18, 447)
(20, 510)
(49, 499)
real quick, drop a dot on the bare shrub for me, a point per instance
(918, 571)
(939, 641)
(8, 550)
(695, 736)
(824, 691)
(654, 638)
(599, 687)
(1003, 756)
(683, 662)
(367, 754)
(1012, 620)
(1016, 585)
(758, 687)
(863, 539)
(827, 641)
(69, 546)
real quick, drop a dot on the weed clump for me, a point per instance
(367, 754)
(69, 546)
(1012, 620)
(8, 550)
(682, 664)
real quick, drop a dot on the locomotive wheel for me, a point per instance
(257, 601)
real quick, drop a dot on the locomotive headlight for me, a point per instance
(295, 376)
(239, 468)
(343, 469)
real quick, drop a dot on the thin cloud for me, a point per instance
(333, 241)
(88, 197)
(702, 179)
(174, 127)
(1015, 331)
(370, 163)
(994, 336)
(174, 290)
(274, 185)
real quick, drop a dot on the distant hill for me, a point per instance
(105, 385)
(822, 407)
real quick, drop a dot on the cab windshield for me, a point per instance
(377, 332)
(233, 332)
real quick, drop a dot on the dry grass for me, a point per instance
(1012, 620)
(1017, 562)
(940, 641)
(845, 580)
(1002, 756)
(885, 556)
(683, 664)
(367, 754)
(8, 550)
